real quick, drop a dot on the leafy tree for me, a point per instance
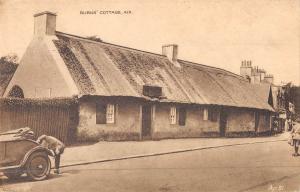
(12, 58)
(8, 64)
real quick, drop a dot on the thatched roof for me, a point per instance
(7, 70)
(105, 69)
(265, 92)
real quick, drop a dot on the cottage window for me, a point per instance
(105, 113)
(210, 114)
(205, 114)
(110, 113)
(173, 115)
(182, 116)
(213, 114)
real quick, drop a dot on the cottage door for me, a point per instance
(256, 117)
(223, 122)
(146, 121)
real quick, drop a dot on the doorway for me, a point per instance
(146, 121)
(223, 121)
(256, 118)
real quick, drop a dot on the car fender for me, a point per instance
(33, 150)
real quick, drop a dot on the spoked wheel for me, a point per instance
(38, 166)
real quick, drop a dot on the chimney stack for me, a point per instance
(171, 51)
(44, 23)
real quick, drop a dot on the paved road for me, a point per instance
(256, 167)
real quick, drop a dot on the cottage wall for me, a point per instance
(42, 73)
(127, 124)
(264, 122)
(239, 122)
(242, 122)
(195, 125)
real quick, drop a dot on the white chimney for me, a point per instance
(170, 51)
(44, 23)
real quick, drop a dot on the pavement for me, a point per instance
(111, 151)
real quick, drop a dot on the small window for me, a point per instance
(152, 91)
(105, 113)
(110, 113)
(213, 114)
(182, 116)
(173, 115)
(210, 114)
(205, 114)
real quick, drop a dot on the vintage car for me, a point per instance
(21, 154)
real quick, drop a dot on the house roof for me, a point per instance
(7, 70)
(100, 68)
(264, 91)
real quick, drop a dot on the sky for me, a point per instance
(219, 33)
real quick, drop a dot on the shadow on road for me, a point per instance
(5, 181)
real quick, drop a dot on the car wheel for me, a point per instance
(13, 174)
(38, 166)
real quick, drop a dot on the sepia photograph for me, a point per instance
(149, 95)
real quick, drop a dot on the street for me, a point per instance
(253, 167)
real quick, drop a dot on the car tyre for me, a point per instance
(38, 166)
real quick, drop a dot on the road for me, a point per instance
(254, 167)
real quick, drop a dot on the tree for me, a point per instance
(8, 66)
(11, 58)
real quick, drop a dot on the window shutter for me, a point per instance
(205, 114)
(173, 115)
(182, 116)
(214, 115)
(100, 114)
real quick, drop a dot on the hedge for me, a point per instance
(58, 102)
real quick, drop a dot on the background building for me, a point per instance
(255, 74)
